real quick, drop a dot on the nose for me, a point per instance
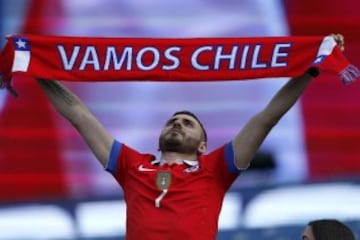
(177, 124)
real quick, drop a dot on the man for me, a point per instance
(178, 196)
(327, 229)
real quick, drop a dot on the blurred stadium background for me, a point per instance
(51, 186)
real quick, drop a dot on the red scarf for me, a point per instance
(151, 59)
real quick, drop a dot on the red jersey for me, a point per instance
(172, 201)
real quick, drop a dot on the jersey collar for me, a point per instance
(184, 161)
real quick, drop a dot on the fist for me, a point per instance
(339, 39)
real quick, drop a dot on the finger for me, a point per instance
(341, 42)
(339, 39)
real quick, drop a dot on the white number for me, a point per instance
(159, 198)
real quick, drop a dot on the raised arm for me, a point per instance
(73, 109)
(249, 139)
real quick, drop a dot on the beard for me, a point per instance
(175, 142)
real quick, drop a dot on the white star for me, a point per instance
(20, 43)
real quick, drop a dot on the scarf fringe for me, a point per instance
(349, 74)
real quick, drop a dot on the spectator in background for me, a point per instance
(327, 229)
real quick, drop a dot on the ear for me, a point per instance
(202, 147)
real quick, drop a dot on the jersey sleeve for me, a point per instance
(221, 162)
(112, 163)
(120, 159)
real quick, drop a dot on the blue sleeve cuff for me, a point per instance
(230, 159)
(111, 164)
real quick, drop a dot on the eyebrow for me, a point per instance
(184, 118)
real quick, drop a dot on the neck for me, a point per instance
(173, 157)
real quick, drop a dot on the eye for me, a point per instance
(169, 122)
(187, 122)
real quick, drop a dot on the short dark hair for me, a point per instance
(330, 229)
(186, 112)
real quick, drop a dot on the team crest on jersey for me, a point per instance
(163, 180)
(192, 169)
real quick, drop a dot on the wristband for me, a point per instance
(313, 71)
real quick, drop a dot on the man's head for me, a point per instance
(183, 133)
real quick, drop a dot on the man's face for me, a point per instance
(308, 234)
(182, 134)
